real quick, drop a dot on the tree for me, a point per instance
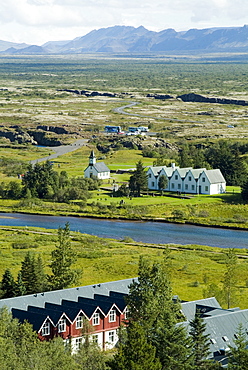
(244, 190)
(136, 353)
(201, 342)
(162, 183)
(32, 274)
(62, 259)
(238, 355)
(230, 279)
(138, 181)
(8, 285)
(20, 287)
(151, 306)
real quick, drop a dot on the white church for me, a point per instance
(187, 180)
(94, 169)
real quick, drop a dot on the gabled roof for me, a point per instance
(56, 296)
(183, 171)
(101, 167)
(37, 320)
(120, 302)
(196, 172)
(156, 169)
(71, 312)
(214, 176)
(54, 315)
(189, 308)
(222, 328)
(88, 306)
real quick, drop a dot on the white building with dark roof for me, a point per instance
(187, 180)
(94, 169)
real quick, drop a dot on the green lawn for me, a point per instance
(193, 268)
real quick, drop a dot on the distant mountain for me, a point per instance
(126, 39)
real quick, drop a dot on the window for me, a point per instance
(176, 177)
(193, 187)
(225, 338)
(203, 179)
(45, 328)
(78, 343)
(62, 325)
(186, 186)
(150, 175)
(213, 341)
(179, 186)
(172, 186)
(95, 338)
(111, 336)
(153, 184)
(206, 188)
(112, 316)
(79, 322)
(96, 319)
(190, 178)
(126, 314)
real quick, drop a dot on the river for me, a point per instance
(147, 232)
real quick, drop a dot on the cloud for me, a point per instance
(42, 20)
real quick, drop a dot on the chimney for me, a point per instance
(173, 166)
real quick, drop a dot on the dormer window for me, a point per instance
(112, 316)
(203, 179)
(79, 322)
(62, 326)
(96, 319)
(176, 177)
(190, 178)
(45, 329)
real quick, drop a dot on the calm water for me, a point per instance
(148, 232)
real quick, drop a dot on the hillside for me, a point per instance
(127, 39)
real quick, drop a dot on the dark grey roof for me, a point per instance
(101, 167)
(221, 329)
(189, 308)
(72, 294)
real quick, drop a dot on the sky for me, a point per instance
(39, 21)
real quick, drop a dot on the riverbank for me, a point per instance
(193, 267)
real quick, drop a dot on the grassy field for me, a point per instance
(193, 267)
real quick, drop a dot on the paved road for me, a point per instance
(121, 111)
(60, 150)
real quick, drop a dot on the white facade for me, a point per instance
(187, 180)
(94, 169)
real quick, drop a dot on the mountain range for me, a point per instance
(127, 39)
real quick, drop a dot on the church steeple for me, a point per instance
(92, 158)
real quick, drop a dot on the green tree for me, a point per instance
(230, 276)
(201, 343)
(20, 287)
(32, 274)
(136, 353)
(244, 190)
(238, 355)
(138, 181)
(8, 285)
(62, 259)
(150, 304)
(162, 183)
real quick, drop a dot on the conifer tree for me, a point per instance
(138, 181)
(8, 285)
(20, 287)
(62, 259)
(136, 353)
(230, 277)
(150, 304)
(201, 344)
(238, 355)
(28, 273)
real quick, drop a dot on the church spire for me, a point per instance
(92, 158)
